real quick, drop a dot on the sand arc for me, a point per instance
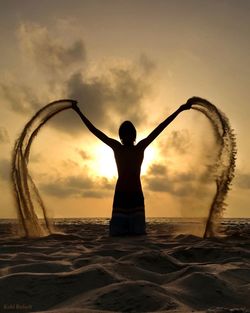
(31, 211)
(223, 168)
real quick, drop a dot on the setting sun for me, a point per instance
(149, 156)
(103, 163)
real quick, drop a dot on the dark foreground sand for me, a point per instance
(84, 270)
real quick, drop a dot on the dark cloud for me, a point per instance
(129, 89)
(50, 57)
(160, 179)
(20, 98)
(78, 186)
(91, 97)
(84, 154)
(193, 195)
(118, 96)
(47, 52)
(79, 182)
(111, 96)
(4, 136)
(170, 185)
(70, 186)
(157, 170)
(159, 184)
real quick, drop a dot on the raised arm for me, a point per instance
(145, 142)
(99, 134)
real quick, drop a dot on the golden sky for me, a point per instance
(124, 60)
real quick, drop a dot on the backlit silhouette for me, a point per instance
(128, 215)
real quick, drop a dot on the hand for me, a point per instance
(194, 100)
(75, 106)
(186, 106)
(189, 103)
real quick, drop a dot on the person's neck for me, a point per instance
(128, 144)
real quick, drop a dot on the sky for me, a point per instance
(125, 60)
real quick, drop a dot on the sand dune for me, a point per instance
(84, 270)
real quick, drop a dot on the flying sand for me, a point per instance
(29, 201)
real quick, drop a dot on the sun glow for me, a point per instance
(104, 161)
(149, 156)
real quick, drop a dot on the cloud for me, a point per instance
(47, 61)
(47, 52)
(190, 190)
(113, 94)
(20, 98)
(178, 141)
(4, 136)
(116, 96)
(70, 186)
(160, 179)
(157, 170)
(84, 155)
(78, 186)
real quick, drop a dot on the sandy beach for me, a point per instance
(85, 270)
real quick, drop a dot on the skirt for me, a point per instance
(128, 216)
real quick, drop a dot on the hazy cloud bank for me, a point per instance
(47, 52)
(60, 70)
(78, 186)
(161, 179)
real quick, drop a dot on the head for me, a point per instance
(127, 133)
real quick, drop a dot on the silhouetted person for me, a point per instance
(128, 215)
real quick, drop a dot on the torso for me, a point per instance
(129, 160)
